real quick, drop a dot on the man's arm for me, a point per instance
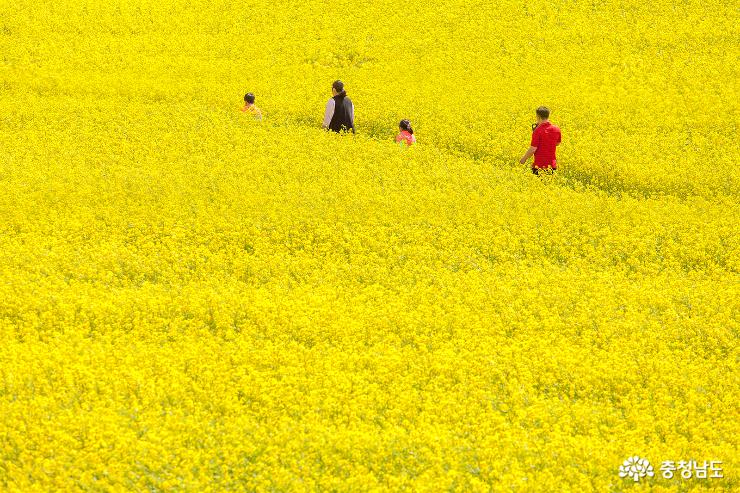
(530, 152)
(329, 113)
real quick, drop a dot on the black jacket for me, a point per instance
(343, 119)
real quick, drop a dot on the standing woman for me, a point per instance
(406, 133)
(340, 112)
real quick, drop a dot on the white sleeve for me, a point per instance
(352, 114)
(329, 113)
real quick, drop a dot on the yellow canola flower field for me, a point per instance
(193, 301)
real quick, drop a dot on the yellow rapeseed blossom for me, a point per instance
(191, 300)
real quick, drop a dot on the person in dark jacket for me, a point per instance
(340, 112)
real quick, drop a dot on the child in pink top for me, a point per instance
(406, 135)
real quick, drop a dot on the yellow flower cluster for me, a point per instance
(191, 300)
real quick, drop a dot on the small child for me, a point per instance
(406, 135)
(249, 106)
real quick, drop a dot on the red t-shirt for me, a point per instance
(545, 138)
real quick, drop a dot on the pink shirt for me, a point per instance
(405, 136)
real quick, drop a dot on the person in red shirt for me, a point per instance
(545, 138)
(406, 135)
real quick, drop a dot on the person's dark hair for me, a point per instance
(338, 85)
(543, 112)
(406, 125)
(249, 98)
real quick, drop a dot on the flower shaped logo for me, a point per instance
(636, 468)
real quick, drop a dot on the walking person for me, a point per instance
(340, 112)
(545, 139)
(406, 135)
